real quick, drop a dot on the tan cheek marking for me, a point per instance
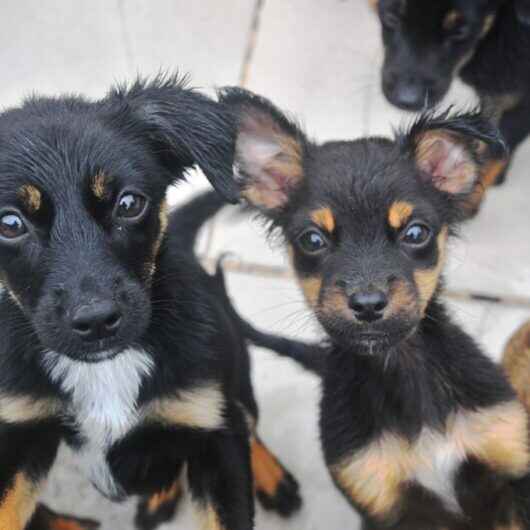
(373, 4)
(399, 213)
(427, 279)
(324, 218)
(164, 497)
(201, 407)
(31, 197)
(18, 503)
(311, 289)
(402, 299)
(373, 478)
(497, 436)
(20, 409)
(334, 302)
(516, 363)
(99, 185)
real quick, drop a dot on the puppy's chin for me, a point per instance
(375, 340)
(97, 357)
(89, 352)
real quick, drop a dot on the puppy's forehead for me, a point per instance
(363, 183)
(364, 172)
(56, 155)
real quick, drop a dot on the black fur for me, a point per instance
(487, 45)
(403, 371)
(70, 171)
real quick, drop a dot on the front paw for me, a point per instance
(141, 473)
(158, 508)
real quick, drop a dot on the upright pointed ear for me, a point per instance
(269, 150)
(183, 128)
(454, 153)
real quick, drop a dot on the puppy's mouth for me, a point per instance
(97, 357)
(374, 340)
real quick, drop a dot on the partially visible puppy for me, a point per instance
(420, 430)
(112, 339)
(516, 362)
(485, 42)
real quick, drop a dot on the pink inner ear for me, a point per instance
(447, 162)
(269, 160)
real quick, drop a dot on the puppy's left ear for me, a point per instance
(183, 128)
(454, 152)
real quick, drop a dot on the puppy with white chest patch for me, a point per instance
(112, 337)
(419, 429)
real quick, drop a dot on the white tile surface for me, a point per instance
(320, 59)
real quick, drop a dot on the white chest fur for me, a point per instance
(437, 458)
(103, 406)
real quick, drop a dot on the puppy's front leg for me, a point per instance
(221, 481)
(27, 452)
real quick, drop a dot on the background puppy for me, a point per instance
(419, 429)
(485, 42)
(111, 338)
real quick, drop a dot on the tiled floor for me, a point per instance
(319, 59)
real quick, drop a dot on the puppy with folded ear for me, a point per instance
(419, 429)
(111, 338)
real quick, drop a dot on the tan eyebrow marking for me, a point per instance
(31, 197)
(488, 24)
(324, 218)
(451, 19)
(99, 185)
(399, 213)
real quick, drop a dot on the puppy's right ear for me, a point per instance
(268, 162)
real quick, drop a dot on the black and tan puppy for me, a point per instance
(485, 42)
(420, 430)
(516, 362)
(112, 339)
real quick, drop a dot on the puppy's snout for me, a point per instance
(410, 96)
(368, 305)
(96, 321)
(406, 91)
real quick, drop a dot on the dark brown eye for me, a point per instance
(131, 206)
(312, 242)
(417, 235)
(12, 226)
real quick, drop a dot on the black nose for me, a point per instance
(409, 96)
(96, 321)
(368, 305)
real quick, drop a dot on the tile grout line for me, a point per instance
(252, 40)
(246, 64)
